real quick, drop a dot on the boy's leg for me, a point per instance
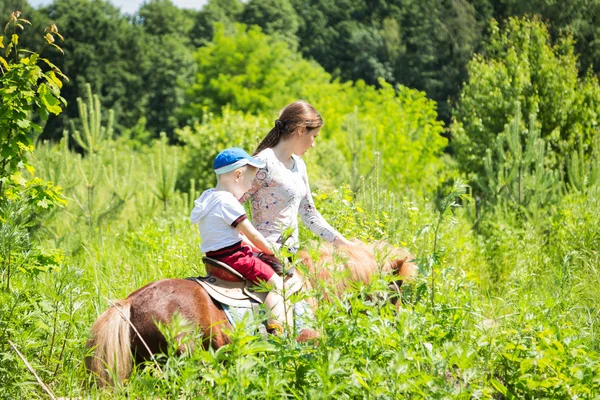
(256, 270)
(275, 303)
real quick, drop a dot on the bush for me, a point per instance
(204, 140)
(520, 64)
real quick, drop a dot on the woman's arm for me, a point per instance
(342, 241)
(313, 219)
(255, 237)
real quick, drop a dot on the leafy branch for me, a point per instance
(453, 200)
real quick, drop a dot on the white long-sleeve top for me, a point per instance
(279, 195)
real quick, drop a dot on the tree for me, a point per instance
(30, 37)
(420, 44)
(249, 71)
(225, 12)
(170, 63)
(276, 17)
(520, 64)
(105, 50)
(27, 90)
(162, 17)
(579, 17)
(440, 38)
(30, 88)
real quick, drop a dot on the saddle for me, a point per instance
(227, 286)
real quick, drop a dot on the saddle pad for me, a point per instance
(236, 294)
(237, 302)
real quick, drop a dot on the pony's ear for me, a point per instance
(397, 264)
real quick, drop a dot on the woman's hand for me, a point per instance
(341, 241)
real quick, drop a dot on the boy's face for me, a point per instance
(246, 177)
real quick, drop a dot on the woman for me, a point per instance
(280, 191)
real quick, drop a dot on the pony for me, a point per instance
(127, 331)
(358, 263)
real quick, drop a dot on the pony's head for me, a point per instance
(360, 263)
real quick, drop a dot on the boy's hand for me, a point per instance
(272, 261)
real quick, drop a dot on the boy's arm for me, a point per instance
(247, 242)
(255, 237)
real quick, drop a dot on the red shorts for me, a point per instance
(240, 258)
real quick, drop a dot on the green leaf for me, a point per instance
(501, 388)
(50, 102)
(24, 124)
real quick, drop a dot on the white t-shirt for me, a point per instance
(217, 213)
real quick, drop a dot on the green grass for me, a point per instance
(514, 313)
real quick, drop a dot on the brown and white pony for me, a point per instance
(129, 326)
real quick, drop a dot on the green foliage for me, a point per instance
(370, 213)
(536, 324)
(277, 18)
(95, 137)
(119, 59)
(93, 171)
(516, 176)
(451, 201)
(17, 252)
(28, 93)
(399, 124)
(248, 71)
(99, 51)
(423, 45)
(584, 172)
(204, 140)
(164, 171)
(515, 301)
(168, 72)
(579, 17)
(162, 17)
(226, 12)
(520, 64)
(26, 90)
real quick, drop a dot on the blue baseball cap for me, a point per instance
(230, 159)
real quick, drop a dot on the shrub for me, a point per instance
(521, 64)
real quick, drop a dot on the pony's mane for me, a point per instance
(362, 262)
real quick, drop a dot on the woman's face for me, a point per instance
(306, 139)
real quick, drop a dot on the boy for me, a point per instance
(222, 221)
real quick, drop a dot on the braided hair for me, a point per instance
(293, 116)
